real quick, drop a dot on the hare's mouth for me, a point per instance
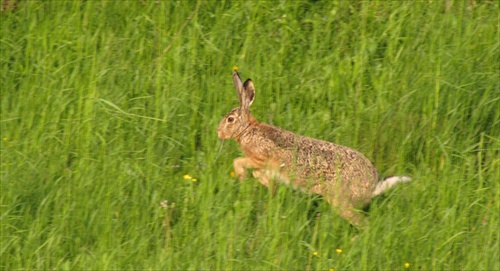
(222, 135)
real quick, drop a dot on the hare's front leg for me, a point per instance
(241, 165)
(266, 178)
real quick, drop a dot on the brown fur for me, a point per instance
(343, 176)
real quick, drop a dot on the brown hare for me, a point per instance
(343, 176)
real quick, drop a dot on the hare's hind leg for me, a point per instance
(348, 212)
(356, 219)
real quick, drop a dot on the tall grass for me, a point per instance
(107, 105)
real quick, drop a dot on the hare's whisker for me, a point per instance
(219, 146)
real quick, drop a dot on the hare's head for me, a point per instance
(239, 118)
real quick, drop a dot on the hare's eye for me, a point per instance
(230, 119)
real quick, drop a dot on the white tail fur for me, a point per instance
(388, 183)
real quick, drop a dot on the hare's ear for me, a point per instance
(248, 95)
(238, 84)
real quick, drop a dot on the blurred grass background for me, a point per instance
(107, 105)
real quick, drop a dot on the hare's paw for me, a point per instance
(241, 166)
(263, 176)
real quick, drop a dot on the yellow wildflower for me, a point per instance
(315, 253)
(331, 269)
(407, 265)
(187, 177)
(235, 68)
(194, 180)
(4, 139)
(231, 174)
(338, 250)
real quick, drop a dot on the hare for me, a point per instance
(343, 176)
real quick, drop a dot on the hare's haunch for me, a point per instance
(343, 176)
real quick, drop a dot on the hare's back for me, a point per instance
(335, 161)
(312, 158)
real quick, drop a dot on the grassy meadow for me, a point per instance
(110, 158)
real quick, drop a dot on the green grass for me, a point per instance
(106, 105)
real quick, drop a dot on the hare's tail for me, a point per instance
(388, 183)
